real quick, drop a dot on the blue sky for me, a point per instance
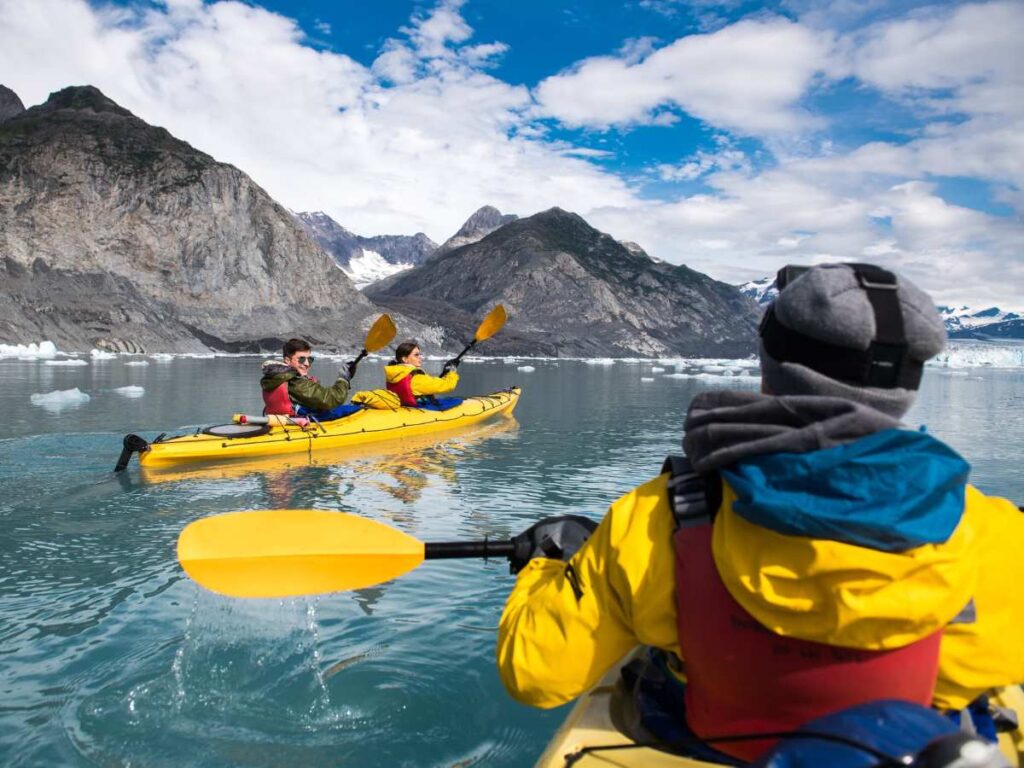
(734, 137)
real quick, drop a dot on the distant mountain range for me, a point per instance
(116, 234)
(961, 322)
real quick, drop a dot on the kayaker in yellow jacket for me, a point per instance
(406, 378)
(818, 555)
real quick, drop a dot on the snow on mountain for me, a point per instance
(366, 266)
(762, 291)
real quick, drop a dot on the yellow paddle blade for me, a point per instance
(291, 552)
(491, 324)
(380, 334)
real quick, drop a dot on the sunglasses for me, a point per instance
(305, 360)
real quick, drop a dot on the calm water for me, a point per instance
(109, 656)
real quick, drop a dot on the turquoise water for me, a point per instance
(110, 656)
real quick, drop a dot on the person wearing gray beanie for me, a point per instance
(808, 555)
(851, 331)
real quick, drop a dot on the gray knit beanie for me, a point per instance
(829, 304)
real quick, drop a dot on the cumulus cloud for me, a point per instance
(747, 77)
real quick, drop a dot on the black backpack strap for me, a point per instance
(688, 493)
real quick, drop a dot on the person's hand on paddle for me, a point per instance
(557, 538)
(348, 370)
(450, 365)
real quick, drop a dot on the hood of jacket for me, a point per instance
(837, 525)
(395, 372)
(276, 373)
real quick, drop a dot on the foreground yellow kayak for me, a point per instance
(592, 723)
(230, 442)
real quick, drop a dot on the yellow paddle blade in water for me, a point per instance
(380, 334)
(292, 552)
(491, 324)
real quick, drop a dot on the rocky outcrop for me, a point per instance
(111, 228)
(571, 290)
(10, 104)
(477, 226)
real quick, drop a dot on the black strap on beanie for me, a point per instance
(885, 364)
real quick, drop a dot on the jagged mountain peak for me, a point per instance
(485, 219)
(10, 104)
(82, 97)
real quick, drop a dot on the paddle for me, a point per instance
(293, 552)
(379, 336)
(489, 326)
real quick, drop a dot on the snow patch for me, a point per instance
(131, 391)
(369, 267)
(60, 399)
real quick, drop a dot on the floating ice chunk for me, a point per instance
(101, 354)
(162, 357)
(526, 368)
(599, 361)
(71, 362)
(657, 369)
(646, 378)
(137, 363)
(60, 399)
(131, 391)
(42, 350)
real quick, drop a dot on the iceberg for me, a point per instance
(131, 391)
(58, 400)
(101, 354)
(979, 354)
(526, 368)
(42, 350)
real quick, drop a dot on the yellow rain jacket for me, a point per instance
(423, 384)
(552, 646)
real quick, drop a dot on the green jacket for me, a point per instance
(302, 389)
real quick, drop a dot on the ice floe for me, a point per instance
(72, 362)
(131, 391)
(101, 354)
(526, 368)
(137, 363)
(599, 361)
(657, 369)
(60, 399)
(646, 378)
(42, 350)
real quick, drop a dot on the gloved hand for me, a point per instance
(348, 371)
(450, 365)
(558, 538)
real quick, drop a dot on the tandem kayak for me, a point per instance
(596, 718)
(364, 425)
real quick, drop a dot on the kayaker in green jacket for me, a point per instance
(286, 383)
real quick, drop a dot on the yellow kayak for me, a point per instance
(367, 425)
(592, 723)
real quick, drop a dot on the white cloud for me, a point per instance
(747, 77)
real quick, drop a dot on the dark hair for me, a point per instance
(403, 350)
(295, 345)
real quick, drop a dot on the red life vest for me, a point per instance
(277, 401)
(741, 678)
(403, 388)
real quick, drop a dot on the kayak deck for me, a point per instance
(591, 723)
(365, 426)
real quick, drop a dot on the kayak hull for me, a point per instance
(591, 723)
(365, 426)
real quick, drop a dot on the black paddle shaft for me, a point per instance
(447, 550)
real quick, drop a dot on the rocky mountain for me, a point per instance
(10, 104)
(571, 290)
(112, 231)
(366, 259)
(479, 225)
(762, 291)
